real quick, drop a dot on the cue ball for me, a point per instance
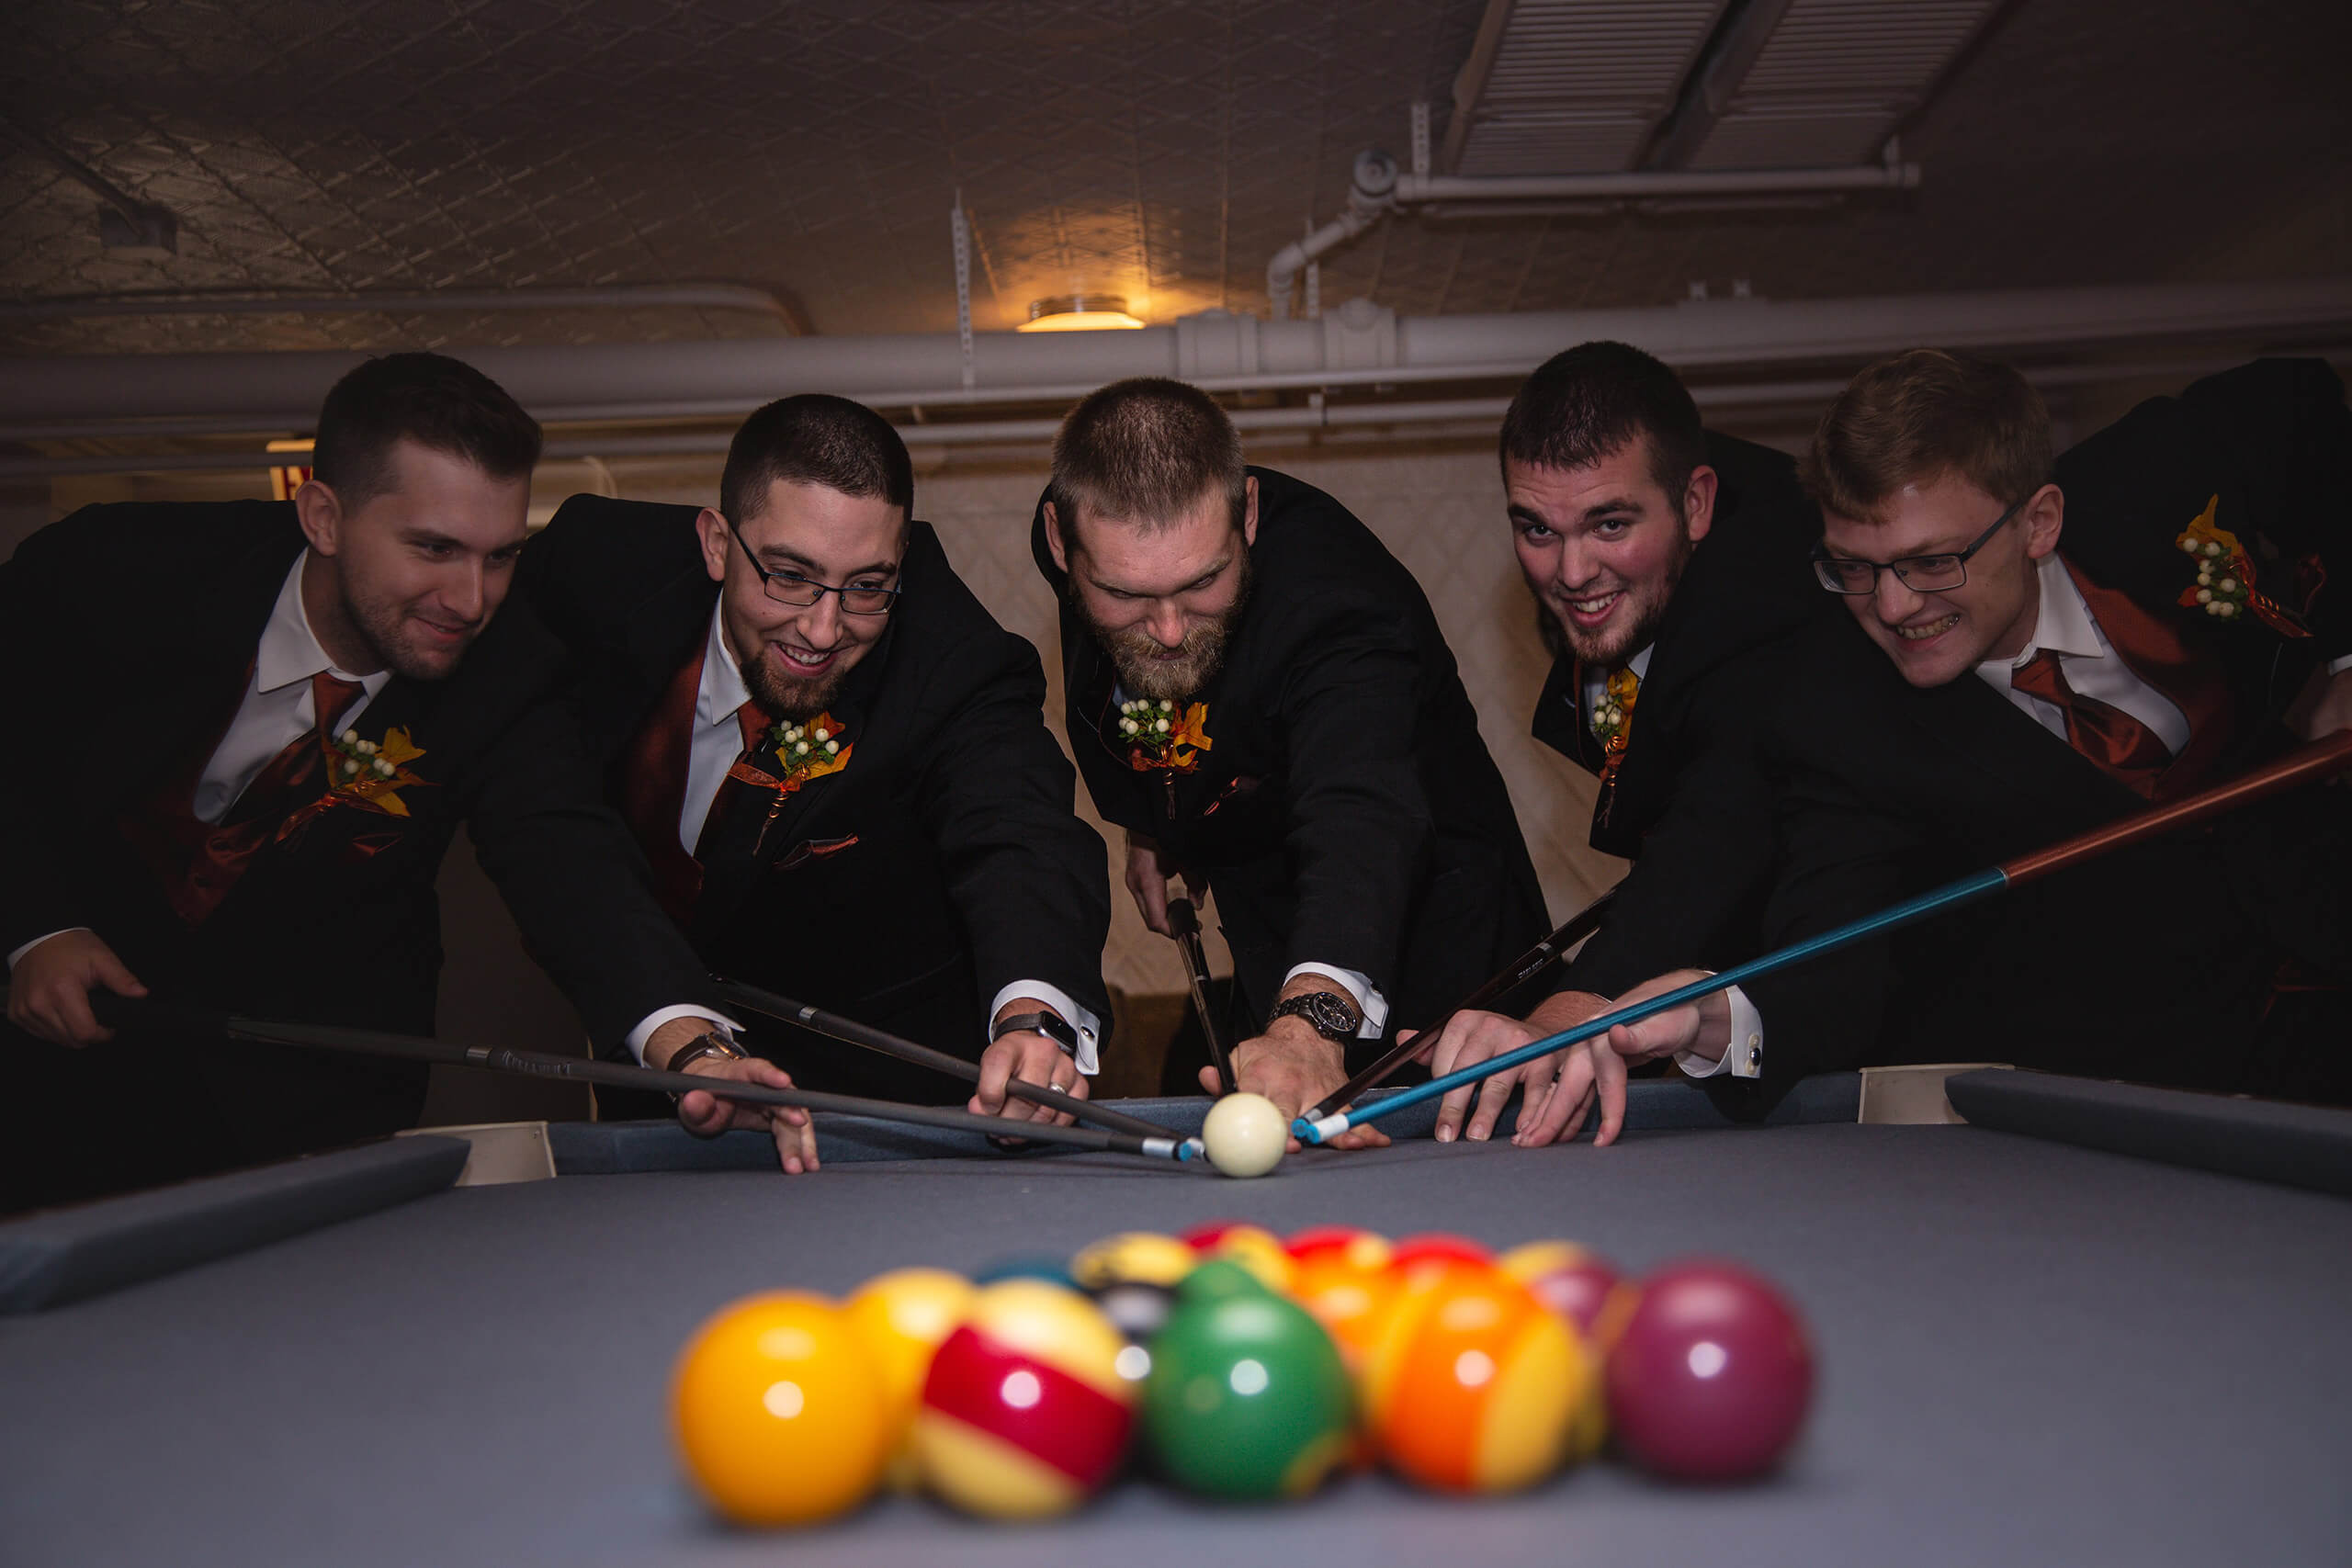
(1710, 1376)
(1245, 1134)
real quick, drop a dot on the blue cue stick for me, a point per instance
(2315, 761)
(1968, 889)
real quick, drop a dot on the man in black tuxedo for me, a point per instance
(260, 726)
(2055, 648)
(1259, 693)
(834, 757)
(1667, 562)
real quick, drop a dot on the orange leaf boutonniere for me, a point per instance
(805, 750)
(365, 774)
(2224, 588)
(1158, 737)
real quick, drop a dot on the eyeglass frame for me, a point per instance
(1823, 559)
(767, 577)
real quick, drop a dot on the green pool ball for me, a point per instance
(1247, 1398)
(1218, 1280)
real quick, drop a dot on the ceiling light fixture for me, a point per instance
(1080, 313)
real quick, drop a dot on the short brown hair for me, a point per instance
(430, 398)
(1595, 399)
(1143, 451)
(1922, 415)
(815, 438)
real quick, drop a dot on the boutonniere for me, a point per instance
(810, 750)
(1613, 717)
(1160, 738)
(367, 775)
(2225, 588)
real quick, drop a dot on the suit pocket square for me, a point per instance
(809, 850)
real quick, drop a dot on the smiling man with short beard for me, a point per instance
(1307, 757)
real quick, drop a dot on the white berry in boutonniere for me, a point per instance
(1159, 737)
(808, 750)
(2224, 588)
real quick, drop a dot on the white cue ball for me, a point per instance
(1245, 1134)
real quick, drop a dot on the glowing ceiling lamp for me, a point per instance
(1080, 313)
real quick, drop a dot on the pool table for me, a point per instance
(2031, 1349)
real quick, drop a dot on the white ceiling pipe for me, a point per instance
(471, 301)
(1412, 189)
(1368, 202)
(92, 394)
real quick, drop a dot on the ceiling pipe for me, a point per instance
(1802, 395)
(1358, 344)
(471, 301)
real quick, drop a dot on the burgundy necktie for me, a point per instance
(755, 725)
(2125, 749)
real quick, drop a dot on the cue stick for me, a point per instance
(539, 1065)
(1184, 924)
(769, 1004)
(1523, 968)
(2312, 762)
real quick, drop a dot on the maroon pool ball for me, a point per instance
(1712, 1375)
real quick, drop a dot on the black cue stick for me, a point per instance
(1523, 968)
(769, 1004)
(1185, 922)
(126, 1012)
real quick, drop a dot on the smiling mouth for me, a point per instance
(1595, 608)
(802, 662)
(1925, 633)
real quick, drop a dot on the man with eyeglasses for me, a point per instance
(2057, 645)
(835, 763)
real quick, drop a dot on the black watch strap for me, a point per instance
(1331, 1016)
(1045, 1024)
(702, 1045)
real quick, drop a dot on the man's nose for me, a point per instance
(1166, 624)
(463, 594)
(1894, 600)
(822, 622)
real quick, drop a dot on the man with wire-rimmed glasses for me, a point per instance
(835, 763)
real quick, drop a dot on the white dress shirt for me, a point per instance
(1744, 1058)
(2064, 625)
(717, 741)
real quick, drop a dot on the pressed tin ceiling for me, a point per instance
(1158, 151)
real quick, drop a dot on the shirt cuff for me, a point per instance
(1368, 1001)
(2339, 666)
(1744, 1057)
(37, 941)
(725, 1030)
(1089, 1055)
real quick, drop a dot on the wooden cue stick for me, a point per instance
(1520, 970)
(769, 1004)
(536, 1064)
(1185, 922)
(2312, 762)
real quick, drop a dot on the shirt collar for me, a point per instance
(2063, 624)
(289, 650)
(722, 690)
(1596, 676)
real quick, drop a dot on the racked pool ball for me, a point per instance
(1259, 1251)
(1217, 1279)
(1247, 1398)
(1433, 1248)
(1712, 1374)
(1245, 1134)
(1145, 1256)
(1362, 1248)
(1024, 1412)
(1040, 1266)
(904, 1316)
(780, 1412)
(1471, 1383)
(1564, 1277)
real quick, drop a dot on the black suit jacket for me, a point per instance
(2156, 963)
(1348, 812)
(904, 891)
(1688, 805)
(127, 634)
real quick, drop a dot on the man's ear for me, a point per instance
(1699, 502)
(1054, 545)
(1249, 510)
(320, 511)
(2043, 518)
(711, 529)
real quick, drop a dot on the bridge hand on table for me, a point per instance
(1295, 1067)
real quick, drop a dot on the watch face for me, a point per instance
(1332, 1018)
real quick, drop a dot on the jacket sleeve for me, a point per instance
(41, 881)
(1029, 879)
(1359, 829)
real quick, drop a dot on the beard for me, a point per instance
(397, 645)
(1613, 645)
(788, 700)
(1145, 669)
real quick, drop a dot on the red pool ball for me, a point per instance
(1416, 1252)
(1710, 1376)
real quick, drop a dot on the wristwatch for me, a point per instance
(1329, 1013)
(1045, 1024)
(703, 1045)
